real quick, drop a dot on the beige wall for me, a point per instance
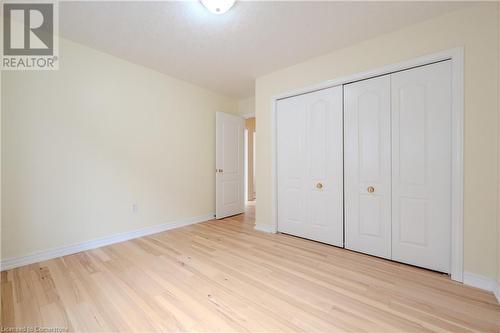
(246, 106)
(250, 126)
(475, 28)
(81, 145)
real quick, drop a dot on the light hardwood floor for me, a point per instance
(224, 276)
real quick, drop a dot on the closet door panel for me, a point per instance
(421, 167)
(310, 173)
(291, 162)
(367, 166)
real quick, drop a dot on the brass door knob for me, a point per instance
(319, 186)
(370, 189)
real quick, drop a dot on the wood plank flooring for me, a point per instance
(222, 276)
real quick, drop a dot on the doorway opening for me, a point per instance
(250, 136)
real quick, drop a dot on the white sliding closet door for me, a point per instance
(368, 166)
(309, 147)
(421, 167)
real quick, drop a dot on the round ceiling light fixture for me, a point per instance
(218, 6)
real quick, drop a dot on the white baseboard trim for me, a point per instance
(92, 244)
(497, 292)
(265, 228)
(482, 282)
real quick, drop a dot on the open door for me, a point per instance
(229, 164)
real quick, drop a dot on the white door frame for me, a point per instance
(248, 115)
(245, 166)
(456, 56)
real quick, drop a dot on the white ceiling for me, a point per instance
(225, 53)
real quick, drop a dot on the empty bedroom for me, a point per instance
(250, 166)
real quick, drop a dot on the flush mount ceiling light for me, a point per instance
(218, 6)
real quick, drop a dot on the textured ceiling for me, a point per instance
(225, 53)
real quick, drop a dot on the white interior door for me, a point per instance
(229, 167)
(421, 167)
(367, 142)
(310, 170)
